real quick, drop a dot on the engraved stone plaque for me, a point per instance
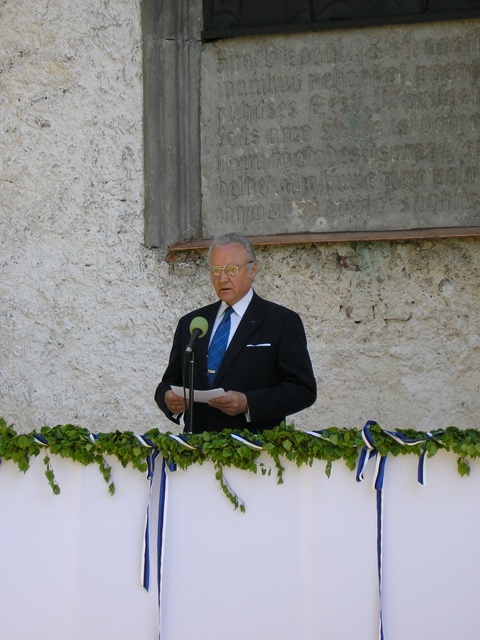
(364, 129)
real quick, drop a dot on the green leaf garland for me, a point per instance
(219, 448)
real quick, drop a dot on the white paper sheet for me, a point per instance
(199, 396)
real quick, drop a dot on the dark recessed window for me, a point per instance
(228, 18)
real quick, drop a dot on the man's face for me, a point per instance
(231, 289)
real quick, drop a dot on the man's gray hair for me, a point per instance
(233, 237)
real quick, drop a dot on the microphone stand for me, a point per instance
(198, 328)
(190, 391)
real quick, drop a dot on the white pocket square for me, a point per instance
(262, 344)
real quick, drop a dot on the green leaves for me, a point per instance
(463, 467)
(50, 476)
(303, 448)
(18, 448)
(284, 443)
(227, 490)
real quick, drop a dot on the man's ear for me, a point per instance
(253, 271)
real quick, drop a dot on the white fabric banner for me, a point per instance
(300, 564)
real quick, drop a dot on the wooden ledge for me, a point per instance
(178, 248)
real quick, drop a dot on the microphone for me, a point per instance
(198, 328)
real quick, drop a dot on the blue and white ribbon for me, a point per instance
(160, 533)
(182, 439)
(318, 434)
(368, 452)
(404, 440)
(253, 443)
(145, 576)
(152, 456)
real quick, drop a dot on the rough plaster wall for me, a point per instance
(393, 330)
(88, 313)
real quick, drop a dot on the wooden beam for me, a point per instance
(178, 248)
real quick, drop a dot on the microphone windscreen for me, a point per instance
(199, 323)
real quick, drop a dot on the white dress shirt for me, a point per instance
(239, 309)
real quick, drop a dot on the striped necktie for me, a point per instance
(218, 346)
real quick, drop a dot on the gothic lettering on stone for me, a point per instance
(378, 129)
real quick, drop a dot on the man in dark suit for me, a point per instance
(266, 370)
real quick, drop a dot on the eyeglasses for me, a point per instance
(230, 269)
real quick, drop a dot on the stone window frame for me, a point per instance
(171, 120)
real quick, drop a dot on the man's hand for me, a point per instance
(232, 403)
(176, 404)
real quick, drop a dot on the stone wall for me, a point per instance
(88, 311)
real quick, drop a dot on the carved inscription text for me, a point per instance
(341, 131)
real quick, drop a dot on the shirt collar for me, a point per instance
(239, 307)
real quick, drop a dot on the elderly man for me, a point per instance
(265, 370)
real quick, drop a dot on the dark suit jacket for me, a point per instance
(267, 360)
